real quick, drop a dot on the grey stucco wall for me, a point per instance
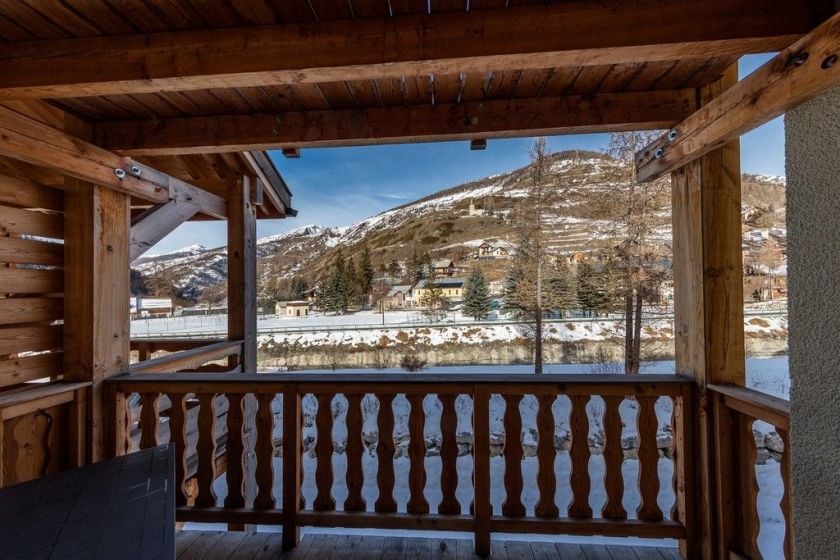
(813, 216)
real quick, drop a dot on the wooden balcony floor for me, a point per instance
(216, 545)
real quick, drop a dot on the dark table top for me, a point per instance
(122, 508)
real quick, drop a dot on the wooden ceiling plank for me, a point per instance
(530, 37)
(107, 20)
(34, 22)
(325, 10)
(255, 12)
(789, 79)
(10, 31)
(369, 8)
(141, 15)
(489, 118)
(60, 15)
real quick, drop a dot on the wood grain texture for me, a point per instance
(178, 437)
(385, 455)
(235, 450)
(149, 420)
(323, 454)
(354, 450)
(242, 273)
(264, 450)
(417, 502)
(449, 505)
(778, 86)
(206, 450)
(546, 454)
(292, 466)
(513, 506)
(579, 454)
(613, 460)
(482, 508)
(522, 37)
(647, 426)
(748, 487)
(492, 118)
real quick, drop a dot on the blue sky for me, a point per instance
(341, 186)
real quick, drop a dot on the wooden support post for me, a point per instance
(96, 280)
(242, 273)
(291, 466)
(708, 297)
(482, 508)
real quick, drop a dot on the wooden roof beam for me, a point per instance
(802, 71)
(571, 33)
(33, 142)
(423, 123)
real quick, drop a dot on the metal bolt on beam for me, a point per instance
(120, 173)
(829, 62)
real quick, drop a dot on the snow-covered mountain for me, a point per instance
(450, 224)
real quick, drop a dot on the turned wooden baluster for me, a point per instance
(417, 502)
(613, 460)
(748, 486)
(149, 420)
(385, 503)
(355, 449)
(449, 456)
(546, 454)
(784, 467)
(206, 450)
(676, 412)
(323, 454)
(264, 451)
(513, 505)
(178, 437)
(647, 423)
(579, 454)
(235, 450)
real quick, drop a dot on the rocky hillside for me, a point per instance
(583, 219)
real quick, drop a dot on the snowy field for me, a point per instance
(768, 375)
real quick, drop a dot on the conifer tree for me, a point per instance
(476, 295)
(366, 274)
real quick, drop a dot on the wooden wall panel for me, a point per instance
(31, 278)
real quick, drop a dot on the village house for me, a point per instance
(298, 308)
(443, 268)
(398, 297)
(451, 289)
(147, 308)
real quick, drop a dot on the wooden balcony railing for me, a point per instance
(187, 355)
(736, 410)
(443, 481)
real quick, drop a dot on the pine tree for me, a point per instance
(299, 288)
(563, 287)
(415, 267)
(366, 274)
(476, 295)
(352, 278)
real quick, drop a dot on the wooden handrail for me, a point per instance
(189, 427)
(171, 344)
(189, 359)
(755, 404)
(735, 410)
